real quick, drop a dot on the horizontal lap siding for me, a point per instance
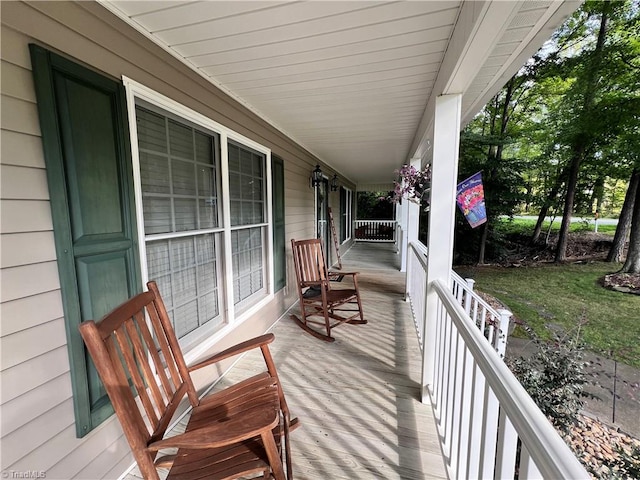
(38, 431)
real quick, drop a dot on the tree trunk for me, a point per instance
(483, 243)
(545, 207)
(598, 194)
(581, 140)
(563, 235)
(624, 222)
(632, 264)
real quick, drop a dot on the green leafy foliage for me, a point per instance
(628, 464)
(554, 377)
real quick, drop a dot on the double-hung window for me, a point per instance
(204, 213)
(179, 167)
(247, 184)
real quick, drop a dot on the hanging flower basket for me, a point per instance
(412, 184)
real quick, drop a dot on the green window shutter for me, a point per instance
(279, 252)
(343, 214)
(86, 146)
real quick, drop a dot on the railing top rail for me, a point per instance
(551, 455)
(375, 221)
(463, 283)
(422, 252)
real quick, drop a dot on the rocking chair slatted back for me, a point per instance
(144, 355)
(308, 257)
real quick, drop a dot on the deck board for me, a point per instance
(357, 398)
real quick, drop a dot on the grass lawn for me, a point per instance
(526, 226)
(559, 297)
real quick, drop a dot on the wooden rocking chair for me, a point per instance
(337, 305)
(231, 433)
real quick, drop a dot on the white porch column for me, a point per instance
(412, 217)
(444, 173)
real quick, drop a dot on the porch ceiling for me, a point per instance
(352, 81)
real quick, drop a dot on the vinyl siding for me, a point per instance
(38, 431)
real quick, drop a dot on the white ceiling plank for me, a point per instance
(135, 7)
(421, 71)
(383, 60)
(226, 49)
(410, 64)
(192, 13)
(432, 40)
(378, 88)
(380, 102)
(281, 17)
(293, 21)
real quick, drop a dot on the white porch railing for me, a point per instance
(489, 427)
(494, 324)
(375, 230)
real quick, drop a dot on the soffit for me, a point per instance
(348, 80)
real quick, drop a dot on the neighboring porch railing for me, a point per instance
(375, 230)
(489, 427)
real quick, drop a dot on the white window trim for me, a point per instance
(137, 91)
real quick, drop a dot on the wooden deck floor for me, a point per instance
(357, 398)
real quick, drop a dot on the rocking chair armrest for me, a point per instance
(253, 423)
(235, 350)
(339, 272)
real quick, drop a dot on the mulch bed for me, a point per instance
(623, 282)
(598, 446)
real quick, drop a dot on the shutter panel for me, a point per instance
(86, 145)
(279, 249)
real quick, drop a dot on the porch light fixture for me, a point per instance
(334, 182)
(316, 176)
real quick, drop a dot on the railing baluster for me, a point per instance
(507, 446)
(477, 423)
(528, 469)
(490, 427)
(466, 394)
(458, 396)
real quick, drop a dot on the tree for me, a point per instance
(624, 221)
(632, 264)
(582, 132)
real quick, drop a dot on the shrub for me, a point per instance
(554, 377)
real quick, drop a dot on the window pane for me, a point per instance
(206, 179)
(186, 318)
(204, 148)
(186, 213)
(154, 172)
(152, 131)
(208, 213)
(157, 214)
(184, 178)
(234, 158)
(180, 140)
(246, 186)
(248, 260)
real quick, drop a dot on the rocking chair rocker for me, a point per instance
(339, 305)
(231, 433)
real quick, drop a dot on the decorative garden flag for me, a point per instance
(470, 199)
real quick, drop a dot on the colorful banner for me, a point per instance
(470, 199)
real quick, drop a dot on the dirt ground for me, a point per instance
(581, 247)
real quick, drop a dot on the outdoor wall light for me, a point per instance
(316, 176)
(334, 183)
